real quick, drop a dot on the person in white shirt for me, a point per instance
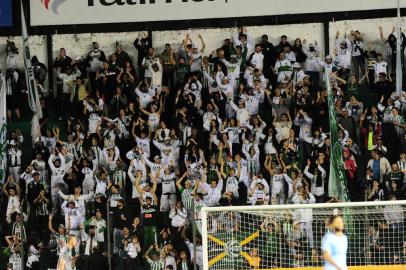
(56, 163)
(243, 115)
(144, 94)
(88, 239)
(245, 40)
(380, 66)
(279, 177)
(233, 71)
(226, 87)
(73, 219)
(256, 59)
(66, 259)
(147, 62)
(178, 216)
(66, 78)
(343, 56)
(283, 68)
(14, 159)
(357, 54)
(317, 180)
(77, 197)
(13, 194)
(305, 134)
(305, 216)
(100, 226)
(196, 56)
(212, 191)
(132, 249)
(259, 195)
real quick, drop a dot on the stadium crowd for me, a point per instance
(148, 144)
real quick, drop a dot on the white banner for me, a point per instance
(62, 12)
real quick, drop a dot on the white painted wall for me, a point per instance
(80, 44)
(369, 30)
(214, 37)
(38, 47)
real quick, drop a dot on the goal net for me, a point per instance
(289, 236)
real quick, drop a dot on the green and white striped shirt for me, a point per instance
(156, 265)
(187, 198)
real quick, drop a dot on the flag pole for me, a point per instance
(399, 69)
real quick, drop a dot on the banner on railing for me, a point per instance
(63, 12)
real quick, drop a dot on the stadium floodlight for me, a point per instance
(289, 236)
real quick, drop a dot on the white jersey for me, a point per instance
(153, 121)
(144, 144)
(94, 119)
(168, 183)
(232, 185)
(197, 62)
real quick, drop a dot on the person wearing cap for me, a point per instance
(243, 115)
(328, 66)
(88, 242)
(233, 70)
(298, 73)
(196, 56)
(14, 159)
(169, 150)
(74, 218)
(81, 199)
(252, 75)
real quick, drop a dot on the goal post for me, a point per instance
(289, 236)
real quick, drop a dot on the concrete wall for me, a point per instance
(38, 47)
(369, 29)
(214, 37)
(80, 44)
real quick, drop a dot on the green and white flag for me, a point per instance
(3, 128)
(337, 182)
(33, 98)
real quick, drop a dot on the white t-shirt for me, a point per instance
(197, 62)
(94, 119)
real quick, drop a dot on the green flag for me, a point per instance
(337, 182)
